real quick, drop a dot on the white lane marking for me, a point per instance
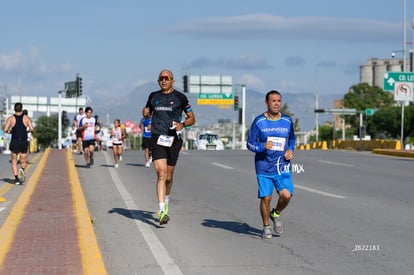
(222, 165)
(160, 253)
(323, 193)
(2, 208)
(336, 163)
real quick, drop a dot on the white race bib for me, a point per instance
(278, 143)
(164, 140)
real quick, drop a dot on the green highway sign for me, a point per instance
(215, 96)
(390, 78)
(215, 99)
(370, 112)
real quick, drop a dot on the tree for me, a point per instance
(46, 130)
(363, 96)
(326, 133)
(386, 122)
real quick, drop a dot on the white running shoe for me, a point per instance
(147, 164)
(120, 158)
(267, 232)
(22, 175)
(277, 223)
(116, 165)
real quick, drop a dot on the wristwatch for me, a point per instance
(183, 123)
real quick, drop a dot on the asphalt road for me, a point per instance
(352, 213)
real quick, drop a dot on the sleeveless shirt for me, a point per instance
(19, 131)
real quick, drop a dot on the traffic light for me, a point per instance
(236, 103)
(64, 117)
(79, 91)
(185, 84)
(319, 110)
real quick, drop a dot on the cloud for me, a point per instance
(30, 63)
(249, 62)
(278, 27)
(252, 81)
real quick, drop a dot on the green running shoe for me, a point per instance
(163, 217)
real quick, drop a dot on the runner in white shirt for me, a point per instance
(88, 128)
(117, 136)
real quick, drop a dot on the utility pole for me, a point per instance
(404, 69)
(317, 117)
(60, 120)
(243, 128)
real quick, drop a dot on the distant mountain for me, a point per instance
(130, 106)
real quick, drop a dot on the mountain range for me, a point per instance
(301, 105)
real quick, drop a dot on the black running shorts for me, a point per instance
(163, 152)
(19, 146)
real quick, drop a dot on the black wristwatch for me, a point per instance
(183, 123)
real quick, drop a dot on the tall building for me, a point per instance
(373, 72)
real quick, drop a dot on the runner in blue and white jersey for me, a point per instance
(272, 138)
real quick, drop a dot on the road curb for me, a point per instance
(396, 153)
(92, 262)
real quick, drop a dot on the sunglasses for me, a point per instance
(164, 78)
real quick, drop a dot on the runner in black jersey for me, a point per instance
(18, 125)
(166, 108)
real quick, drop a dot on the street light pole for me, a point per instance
(243, 128)
(404, 69)
(60, 120)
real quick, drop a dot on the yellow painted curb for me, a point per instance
(8, 230)
(395, 153)
(92, 262)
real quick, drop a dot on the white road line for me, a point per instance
(336, 163)
(160, 253)
(2, 208)
(319, 192)
(222, 166)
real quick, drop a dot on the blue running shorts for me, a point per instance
(266, 183)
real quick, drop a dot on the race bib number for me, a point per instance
(164, 140)
(278, 143)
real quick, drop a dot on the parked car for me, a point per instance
(208, 141)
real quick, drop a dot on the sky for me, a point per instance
(295, 46)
